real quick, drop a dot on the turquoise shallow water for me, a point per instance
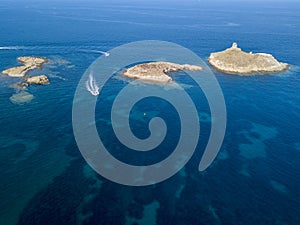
(255, 179)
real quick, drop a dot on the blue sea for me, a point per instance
(255, 179)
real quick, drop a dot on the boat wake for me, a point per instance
(54, 49)
(12, 47)
(106, 54)
(91, 85)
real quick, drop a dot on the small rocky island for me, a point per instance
(41, 79)
(29, 63)
(235, 61)
(157, 71)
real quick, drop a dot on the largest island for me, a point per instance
(235, 61)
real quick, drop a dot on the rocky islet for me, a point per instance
(235, 61)
(29, 63)
(157, 72)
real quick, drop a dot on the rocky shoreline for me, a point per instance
(29, 63)
(157, 72)
(235, 61)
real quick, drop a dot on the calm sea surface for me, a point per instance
(256, 176)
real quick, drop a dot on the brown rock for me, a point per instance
(18, 71)
(29, 63)
(235, 61)
(157, 71)
(42, 79)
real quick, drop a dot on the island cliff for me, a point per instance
(157, 71)
(235, 61)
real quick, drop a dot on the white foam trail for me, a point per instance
(96, 51)
(40, 47)
(104, 53)
(91, 85)
(12, 47)
(21, 47)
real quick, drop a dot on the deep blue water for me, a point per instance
(254, 180)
